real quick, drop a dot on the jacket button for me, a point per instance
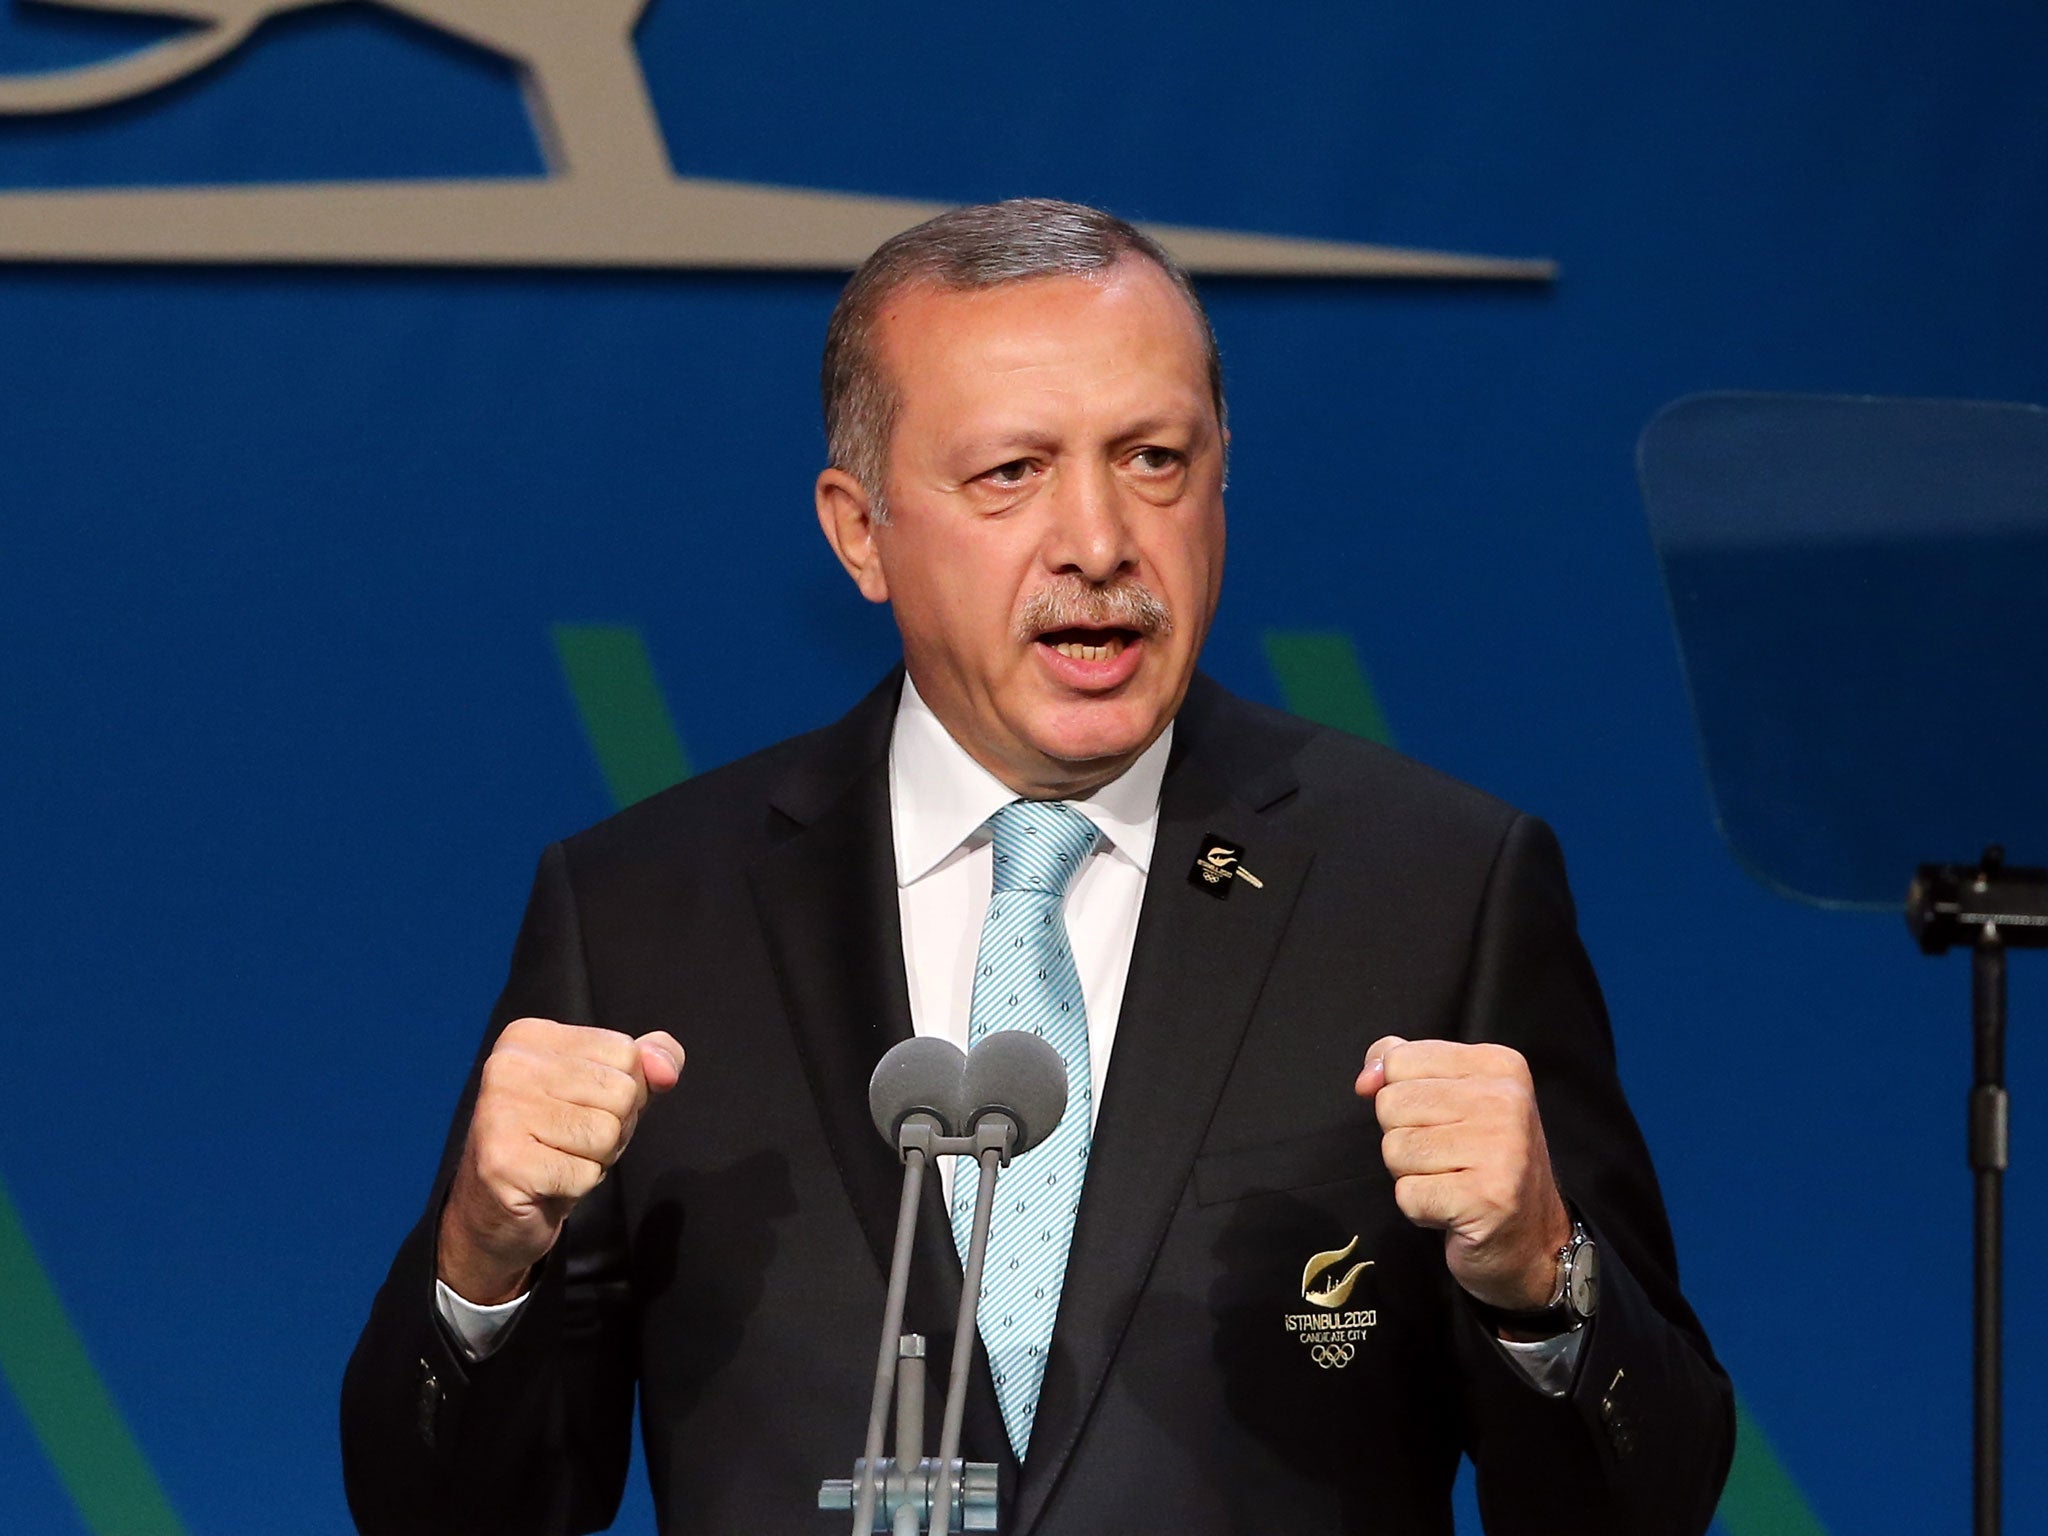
(427, 1406)
(1614, 1418)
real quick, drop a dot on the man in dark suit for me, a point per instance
(1278, 1307)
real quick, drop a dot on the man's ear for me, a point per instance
(847, 517)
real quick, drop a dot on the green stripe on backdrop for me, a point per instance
(81, 1431)
(1321, 680)
(1761, 1499)
(623, 713)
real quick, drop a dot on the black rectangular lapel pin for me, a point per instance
(1218, 866)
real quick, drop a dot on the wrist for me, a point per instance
(482, 1287)
(472, 1272)
(1527, 1280)
(1543, 1281)
(1568, 1303)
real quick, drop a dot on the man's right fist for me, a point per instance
(556, 1106)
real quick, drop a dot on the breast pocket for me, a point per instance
(1299, 1163)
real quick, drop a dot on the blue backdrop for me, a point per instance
(282, 728)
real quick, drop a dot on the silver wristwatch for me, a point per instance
(1577, 1296)
(1573, 1300)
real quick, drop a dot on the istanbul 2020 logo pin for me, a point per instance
(1334, 1331)
(1219, 863)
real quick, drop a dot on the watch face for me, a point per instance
(1583, 1289)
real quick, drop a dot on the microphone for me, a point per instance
(1011, 1075)
(924, 1076)
(1015, 1074)
(927, 1100)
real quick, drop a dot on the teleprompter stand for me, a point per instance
(1989, 908)
(1856, 587)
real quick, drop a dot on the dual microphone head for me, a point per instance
(927, 1083)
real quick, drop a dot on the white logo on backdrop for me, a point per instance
(609, 198)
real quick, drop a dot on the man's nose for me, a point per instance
(1091, 533)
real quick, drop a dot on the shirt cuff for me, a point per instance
(479, 1330)
(1547, 1364)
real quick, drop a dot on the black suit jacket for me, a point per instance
(733, 1265)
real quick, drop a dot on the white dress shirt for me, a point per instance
(940, 800)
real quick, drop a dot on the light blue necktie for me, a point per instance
(1024, 978)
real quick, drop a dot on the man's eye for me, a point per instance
(1009, 475)
(1156, 460)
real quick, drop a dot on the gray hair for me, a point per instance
(983, 246)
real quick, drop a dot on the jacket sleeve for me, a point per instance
(535, 1439)
(1641, 1444)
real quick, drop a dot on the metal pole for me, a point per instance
(992, 1159)
(1988, 1156)
(871, 1474)
(909, 1401)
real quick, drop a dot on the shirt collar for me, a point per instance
(939, 797)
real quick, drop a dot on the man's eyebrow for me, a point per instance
(995, 445)
(1195, 425)
(999, 445)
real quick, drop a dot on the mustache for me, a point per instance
(1127, 604)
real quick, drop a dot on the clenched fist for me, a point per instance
(1464, 1143)
(556, 1105)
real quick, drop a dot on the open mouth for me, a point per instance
(1089, 644)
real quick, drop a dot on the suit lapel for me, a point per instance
(826, 895)
(829, 911)
(1196, 971)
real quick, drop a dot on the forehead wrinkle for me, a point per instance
(1137, 398)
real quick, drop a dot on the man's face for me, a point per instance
(1054, 547)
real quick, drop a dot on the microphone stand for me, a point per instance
(992, 1153)
(910, 1488)
(913, 1140)
(1006, 1095)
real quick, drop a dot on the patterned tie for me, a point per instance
(1024, 978)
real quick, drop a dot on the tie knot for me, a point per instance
(1039, 845)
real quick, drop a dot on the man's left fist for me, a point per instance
(1464, 1143)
